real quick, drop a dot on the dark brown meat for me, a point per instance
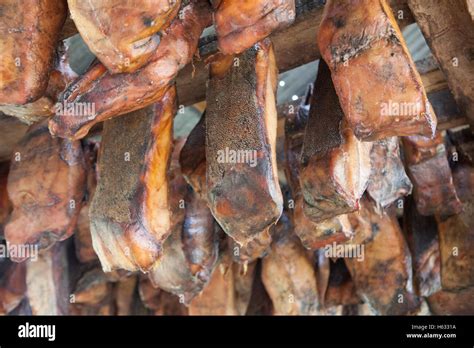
(99, 95)
(130, 214)
(46, 185)
(199, 237)
(422, 237)
(340, 289)
(288, 274)
(388, 181)
(190, 253)
(12, 284)
(429, 171)
(5, 204)
(452, 303)
(122, 34)
(82, 237)
(29, 32)
(375, 78)
(383, 278)
(456, 236)
(159, 301)
(241, 24)
(242, 183)
(312, 235)
(335, 166)
(60, 76)
(193, 158)
(229, 290)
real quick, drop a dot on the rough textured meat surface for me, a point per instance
(159, 301)
(241, 24)
(335, 166)
(335, 286)
(99, 95)
(312, 235)
(288, 274)
(449, 30)
(199, 237)
(46, 185)
(456, 236)
(193, 158)
(374, 75)
(47, 282)
(5, 204)
(12, 284)
(428, 168)
(130, 215)
(422, 237)
(229, 290)
(29, 32)
(59, 77)
(452, 303)
(190, 253)
(383, 278)
(121, 33)
(388, 180)
(242, 183)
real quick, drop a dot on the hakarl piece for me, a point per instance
(241, 24)
(383, 273)
(29, 32)
(46, 185)
(335, 165)
(374, 75)
(99, 95)
(122, 34)
(130, 214)
(241, 122)
(288, 274)
(428, 167)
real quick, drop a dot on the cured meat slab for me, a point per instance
(449, 31)
(46, 185)
(335, 165)
(375, 78)
(241, 24)
(122, 34)
(12, 284)
(243, 192)
(130, 215)
(190, 253)
(388, 180)
(429, 171)
(312, 235)
(229, 290)
(193, 158)
(383, 278)
(456, 236)
(288, 274)
(47, 281)
(99, 95)
(28, 35)
(422, 238)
